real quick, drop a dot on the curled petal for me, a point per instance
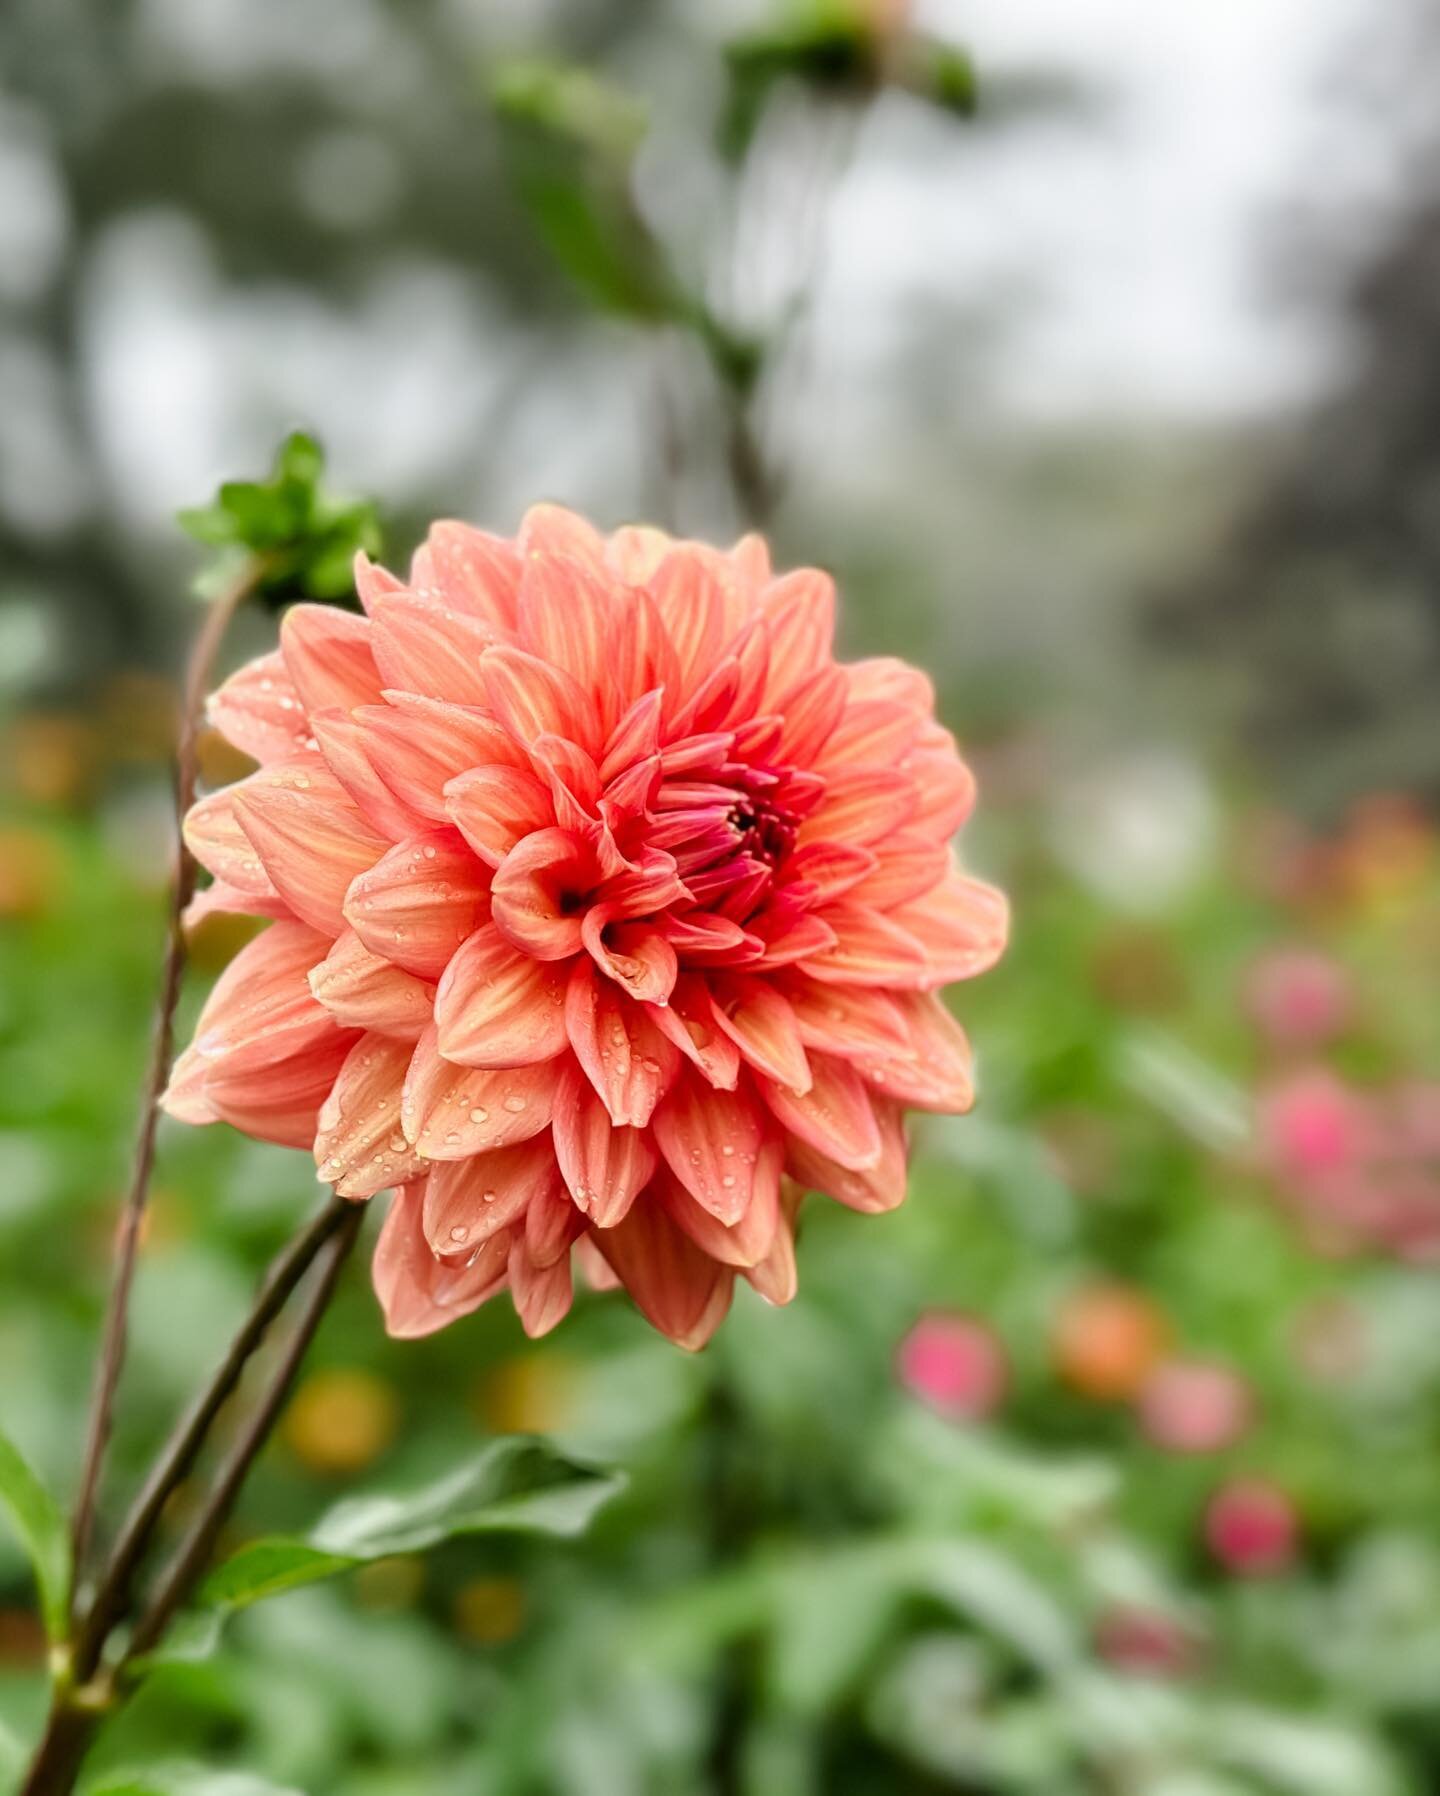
(494, 807)
(467, 1201)
(711, 1141)
(604, 1167)
(625, 1057)
(745, 1242)
(542, 1294)
(418, 903)
(419, 1293)
(496, 1007)
(635, 955)
(418, 745)
(363, 990)
(537, 890)
(676, 1285)
(689, 1021)
(835, 1116)
(309, 836)
(329, 657)
(450, 1112)
(280, 1100)
(549, 529)
(870, 1189)
(961, 926)
(552, 1225)
(762, 1024)
(776, 1277)
(359, 1145)
(214, 836)
(342, 742)
(262, 1008)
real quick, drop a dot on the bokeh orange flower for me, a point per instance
(609, 912)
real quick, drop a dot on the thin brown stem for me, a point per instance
(182, 888)
(194, 1551)
(179, 1454)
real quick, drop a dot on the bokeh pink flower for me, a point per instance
(609, 913)
(1192, 1406)
(1252, 1528)
(955, 1364)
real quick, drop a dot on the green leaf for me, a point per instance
(186, 1780)
(518, 1485)
(41, 1527)
(571, 139)
(305, 537)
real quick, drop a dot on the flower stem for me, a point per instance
(86, 1691)
(193, 1554)
(178, 1455)
(182, 889)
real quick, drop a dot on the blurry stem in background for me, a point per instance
(180, 1452)
(84, 1696)
(112, 1351)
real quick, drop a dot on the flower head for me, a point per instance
(608, 909)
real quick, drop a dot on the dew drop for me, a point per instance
(479, 1114)
(487, 1197)
(514, 1103)
(459, 1233)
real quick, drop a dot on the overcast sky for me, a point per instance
(1143, 240)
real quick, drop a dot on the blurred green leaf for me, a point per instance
(571, 139)
(41, 1527)
(519, 1485)
(305, 537)
(186, 1780)
(827, 45)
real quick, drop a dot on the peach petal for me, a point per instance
(309, 836)
(261, 1008)
(961, 926)
(625, 1057)
(676, 1286)
(467, 1201)
(359, 1146)
(419, 1294)
(747, 1241)
(762, 1024)
(363, 990)
(213, 835)
(279, 1101)
(259, 710)
(799, 610)
(861, 805)
(553, 1225)
(604, 1167)
(853, 1022)
(533, 698)
(423, 647)
(476, 572)
(495, 807)
(329, 657)
(535, 890)
(635, 955)
(567, 614)
(418, 745)
(496, 1007)
(711, 1141)
(419, 902)
(689, 1021)
(450, 1112)
(542, 1294)
(871, 1189)
(342, 742)
(835, 1116)
(870, 949)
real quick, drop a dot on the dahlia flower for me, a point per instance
(609, 912)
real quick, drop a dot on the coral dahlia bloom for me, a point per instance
(609, 913)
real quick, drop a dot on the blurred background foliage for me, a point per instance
(1111, 1463)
